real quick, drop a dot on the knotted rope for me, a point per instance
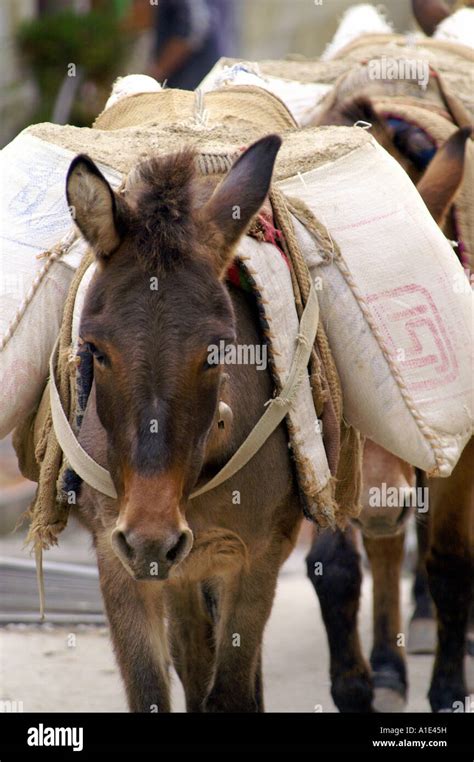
(342, 442)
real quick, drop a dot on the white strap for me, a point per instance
(99, 478)
(79, 460)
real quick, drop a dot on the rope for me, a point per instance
(48, 515)
(343, 448)
(302, 278)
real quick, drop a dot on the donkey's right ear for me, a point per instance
(93, 206)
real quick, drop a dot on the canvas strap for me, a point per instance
(99, 478)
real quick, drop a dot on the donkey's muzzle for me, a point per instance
(151, 559)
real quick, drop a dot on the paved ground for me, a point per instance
(48, 670)
(42, 667)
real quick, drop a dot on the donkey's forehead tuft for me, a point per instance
(161, 195)
(165, 174)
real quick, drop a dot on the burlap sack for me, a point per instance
(243, 105)
(452, 61)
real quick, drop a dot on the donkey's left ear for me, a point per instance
(93, 206)
(241, 194)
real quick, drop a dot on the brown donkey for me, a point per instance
(208, 566)
(449, 571)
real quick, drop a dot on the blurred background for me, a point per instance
(58, 58)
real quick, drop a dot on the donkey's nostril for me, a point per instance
(121, 545)
(178, 548)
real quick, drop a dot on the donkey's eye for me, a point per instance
(99, 356)
(212, 358)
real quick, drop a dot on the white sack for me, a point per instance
(399, 321)
(457, 28)
(33, 217)
(357, 21)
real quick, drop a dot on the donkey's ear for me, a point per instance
(430, 13)
(93, 205)
(444, 174)
(241, 194)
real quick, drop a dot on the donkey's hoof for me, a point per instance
(422, 636)
(390, 692)
(388, 700)
(446, 695)
(352, 693)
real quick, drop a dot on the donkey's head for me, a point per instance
(155, 304)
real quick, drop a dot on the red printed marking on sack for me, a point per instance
(421, 342)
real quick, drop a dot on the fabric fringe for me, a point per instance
(47, 512)
(332, 505)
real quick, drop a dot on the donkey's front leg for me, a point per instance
(191, 635)
(388, 656)
(135, 612)
(333, 565)
(245, 605)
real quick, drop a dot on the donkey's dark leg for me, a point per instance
(388, 653)
(422, 627)
(244, 607)
(333, 565)
(259, 685)
(451, 572)
(191, 633)
(424, 608)
(135, 611)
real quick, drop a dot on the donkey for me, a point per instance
(208, 566)
(449, 563)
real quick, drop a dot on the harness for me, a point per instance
(99, 478)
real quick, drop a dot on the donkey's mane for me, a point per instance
(163, 228)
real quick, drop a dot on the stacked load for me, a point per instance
(383, 271)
